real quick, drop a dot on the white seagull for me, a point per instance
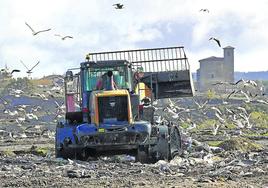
(64, 37)
(36, 32)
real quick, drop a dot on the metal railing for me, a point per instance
(151, 59)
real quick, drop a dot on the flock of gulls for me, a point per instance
(222, 113)
(62, 37)
(205, 10)
(116, 6)
(26, 115)
(193, 114)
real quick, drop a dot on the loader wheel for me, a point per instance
(62, 153)
(142, 155)
(163, 149)
(175, 142)
(59, 153)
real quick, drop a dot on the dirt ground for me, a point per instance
(22, 165)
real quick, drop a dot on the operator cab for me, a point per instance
(92, 72)
(108, 72)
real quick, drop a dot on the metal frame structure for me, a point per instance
(150, 59)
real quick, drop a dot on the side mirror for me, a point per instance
(69, 75)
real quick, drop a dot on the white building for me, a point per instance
(216, 69)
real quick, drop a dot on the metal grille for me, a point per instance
(151, 59)
(113, 108)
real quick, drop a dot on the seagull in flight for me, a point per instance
(118, 6)
(247, 82)
(9, 73)
(262, 101)
(217, 40)
(220, 83)
(15, 70)
(245, 94)
(36, 32)
(64, 37)
(204, 10)
(233, 92)
(29, 71)
(200, 106)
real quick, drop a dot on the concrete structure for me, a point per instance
(216, 69)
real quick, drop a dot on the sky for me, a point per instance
(96, 26)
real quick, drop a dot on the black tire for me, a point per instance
(142, 155)
(70, 154)
(163, 149)
(175, 142)
(62, 151)
(59, 153)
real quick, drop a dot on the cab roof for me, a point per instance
(101, 64)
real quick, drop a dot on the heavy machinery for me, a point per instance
(111, 119)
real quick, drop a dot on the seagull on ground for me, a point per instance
(17, 91)
(220, 83)
(262, 101)
(5, 102)
(220, 118)
(238, 123)
(215, 129)
(11, 113)
(229, 111)
(42, 96)
(246, 118)
(31, 116)
(216, 109)
(242, 109)
(35, 108)
(170, 111)
(192, 126)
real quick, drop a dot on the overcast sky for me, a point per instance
(97, 26)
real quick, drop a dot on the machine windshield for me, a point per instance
(94, 75)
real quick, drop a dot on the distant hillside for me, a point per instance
(260, 75)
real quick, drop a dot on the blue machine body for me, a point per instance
(87, 135)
